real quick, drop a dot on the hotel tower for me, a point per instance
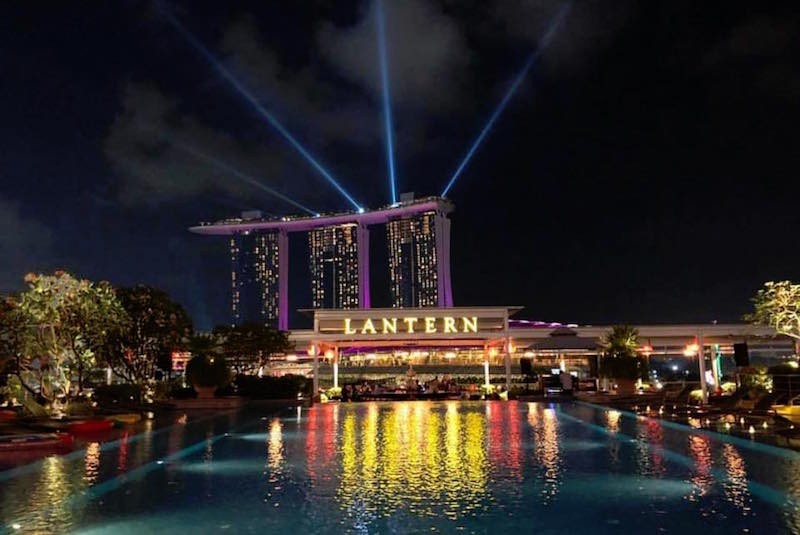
(419, 260)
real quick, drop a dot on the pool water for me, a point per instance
(410, 467)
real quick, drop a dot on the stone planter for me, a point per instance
(205, 392)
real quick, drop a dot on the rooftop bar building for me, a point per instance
(488, 342)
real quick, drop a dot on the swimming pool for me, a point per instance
(406, 467)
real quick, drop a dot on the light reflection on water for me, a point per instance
(411, 457)
(53, 486)
(546, 450)
(413, 466)
(649, 458)
(92, 463)
(275, 446)
(702, 474)
(735, 486)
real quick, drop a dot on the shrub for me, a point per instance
(285, 387)
(755, 381)
(207, 372)
(622, 367)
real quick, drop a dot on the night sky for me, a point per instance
(645, 171)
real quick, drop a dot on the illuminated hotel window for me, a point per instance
(333, 261)
(254, 277)
(413, 264)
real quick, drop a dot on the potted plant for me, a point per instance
(206, 374)
(621, 362)
(624, 371)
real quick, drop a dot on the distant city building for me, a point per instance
(419, 251)
(334, 259)
(255, 277)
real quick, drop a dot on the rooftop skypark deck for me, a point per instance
(300, 223)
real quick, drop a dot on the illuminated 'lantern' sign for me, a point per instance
(412, 325)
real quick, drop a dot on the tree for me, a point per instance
(23, 371)
(620, 354)
(204, 343)
(777, 305)
(250, 345)
(12, 340)
(622, 341)
(93, 318)
(10, 332)
(158, 326)
(63, 324)
(207, 372)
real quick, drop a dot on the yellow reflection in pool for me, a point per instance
(91, 463)
(275, 446)
(415, 456)
(55, 485)
(612, 421)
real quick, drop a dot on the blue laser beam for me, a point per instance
(542, 45)
(387, 107)
(251, 99)
(240, 175)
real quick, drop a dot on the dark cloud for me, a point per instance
(329, 99)
(322, 110)
(25, 245)
(763, 38)
(153, 150)
(588, 28)
(428, 53)
(760, 44)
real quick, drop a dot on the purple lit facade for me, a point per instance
(434, 207)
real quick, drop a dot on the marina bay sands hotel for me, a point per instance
(418, 236)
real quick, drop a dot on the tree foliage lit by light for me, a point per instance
(158, 327)
(621, 341)
(620, 354)
(250, 345)
(777, 304)
(60, 328)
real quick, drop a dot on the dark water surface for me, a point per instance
(410, 467)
